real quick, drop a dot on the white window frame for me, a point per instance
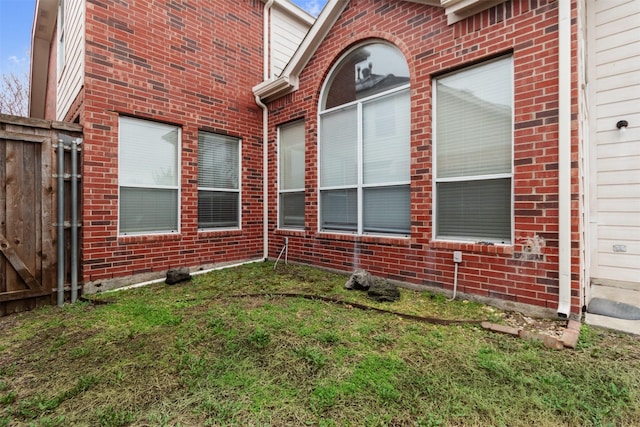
(159, 187)
(60, 48)
(237, 190)
(282, 191)
(359, 186)
(507, 175)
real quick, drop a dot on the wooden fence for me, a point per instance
(28, 211)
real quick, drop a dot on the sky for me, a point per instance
(16, 19)
(312, 6)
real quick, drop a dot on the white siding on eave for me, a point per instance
(286, 34)
(615, 171)
(71, 79)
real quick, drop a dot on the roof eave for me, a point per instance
(275, 88)
(288, 80)
(44, 22)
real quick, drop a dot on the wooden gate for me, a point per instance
(28, 256)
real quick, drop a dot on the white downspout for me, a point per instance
(265, 191)
(564, 157)
(265, 134)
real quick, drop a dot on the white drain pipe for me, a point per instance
(564, 158)
(265, 135)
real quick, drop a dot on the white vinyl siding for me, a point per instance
(287, 32)
(70, 80)
(218, 181)
(291, 167)
(148, 177)
(614, 47)
(473, 153)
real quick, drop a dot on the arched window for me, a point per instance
(365, 143)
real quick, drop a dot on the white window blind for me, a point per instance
(474, 140)
(148, 176)
(339, 151)
(386, 209)
(291, 167)
(339, 210)
(218, 181)
(386, 142)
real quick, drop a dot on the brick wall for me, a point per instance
(524, 272)
(187, 63)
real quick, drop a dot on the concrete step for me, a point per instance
(623, 294)
(629, 326)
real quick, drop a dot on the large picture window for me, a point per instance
(291, 166)
(474, 151)
(148, 177)
(218, 181)
(365, 143)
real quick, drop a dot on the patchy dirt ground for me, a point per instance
(551, 327)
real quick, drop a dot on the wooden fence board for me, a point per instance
(28, 253)
(18, 264)
(15, 296)
(13, 217)
(48, 263)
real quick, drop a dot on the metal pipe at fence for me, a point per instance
(74, 220)
(60, 225)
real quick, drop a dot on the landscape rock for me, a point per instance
(360, 280)
(177, 275)
(383, 291)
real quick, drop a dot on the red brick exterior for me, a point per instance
(190, 64)
(524, 272)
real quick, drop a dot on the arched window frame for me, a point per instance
(375, 197)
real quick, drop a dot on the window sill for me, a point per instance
(291, 232)
(149, 238)
(484, 248)
(219, 233)
(380, 240)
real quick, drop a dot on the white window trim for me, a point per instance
(296, 190)
(178, 187)
(359, 185)
(60, 60)
(227, 190)
(436, 180)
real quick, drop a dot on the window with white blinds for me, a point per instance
(218, 181)
(148, 177)
(473, 153)
(364, 152)
(291, 166)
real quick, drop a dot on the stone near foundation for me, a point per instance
(360, 280)
(177, 275)
(383, 291)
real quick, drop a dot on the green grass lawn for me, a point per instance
(199, 354)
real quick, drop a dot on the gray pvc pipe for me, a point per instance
(74, 220)
(60, 223)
